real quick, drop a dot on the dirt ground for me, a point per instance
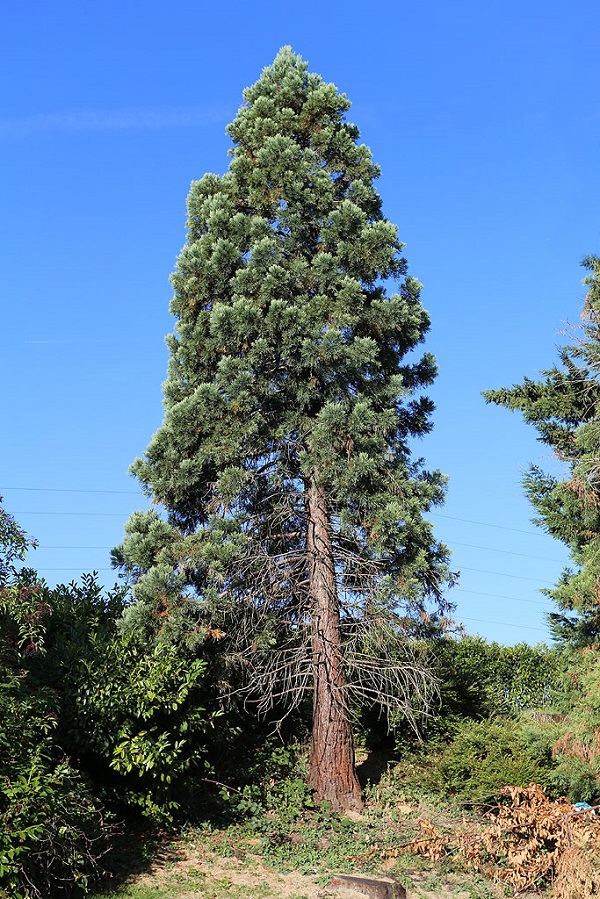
(195, 863)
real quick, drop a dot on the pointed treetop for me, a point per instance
(288, 76)
(292, 99)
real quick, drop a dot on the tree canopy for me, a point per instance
(564, 407)
(295, 533)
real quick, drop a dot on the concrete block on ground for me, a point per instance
(373, 887)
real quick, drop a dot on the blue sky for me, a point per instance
(485, 121)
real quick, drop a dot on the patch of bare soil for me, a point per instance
(207, 866)
(201, 865)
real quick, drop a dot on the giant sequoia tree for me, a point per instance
(564, 407)
(295, 531)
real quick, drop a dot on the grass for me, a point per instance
(290, 852)
(172, 891)
(214, 887)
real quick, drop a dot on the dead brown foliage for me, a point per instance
(577, 874)
(573, 745)
(529, 843)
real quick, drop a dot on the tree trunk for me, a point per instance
(332, 771)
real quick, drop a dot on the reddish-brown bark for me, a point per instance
(332, 769)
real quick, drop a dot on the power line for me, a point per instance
(459, 590)
(439, 514)
(462, 618)
(537, 602)
(95, 514)
(518, 577)
(452, 542)
(526, 627)
(45, 546)
(70, 490)
(462, 567)
(487, 524)
(135, 493)
(509, 552)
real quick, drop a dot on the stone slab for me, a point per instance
(373, 887)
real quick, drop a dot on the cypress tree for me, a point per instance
(564, 407)
(295, 533)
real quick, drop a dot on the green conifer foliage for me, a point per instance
(564, 407)
(295, 509)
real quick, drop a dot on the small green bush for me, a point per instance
(485, 756)
(131, 710)
(52, 831)
(278, 788)
(481, 679)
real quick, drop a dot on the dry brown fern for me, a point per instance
(577, 873)
(530, 842)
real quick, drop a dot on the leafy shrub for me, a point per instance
(52, 833)
(485, 756)
(132, 711)
(576, 744)
(573, 777)
(277, 788)
(480, 679)
(141, 712)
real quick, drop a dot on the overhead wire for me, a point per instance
(435, 513)
(486, 524)
(526, 627)
(537, 602)
(126, 492)
(518, 577)
(70, 490)
(508, 552)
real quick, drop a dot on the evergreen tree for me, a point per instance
(295, 533)
(565, 410)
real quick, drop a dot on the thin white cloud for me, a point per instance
(53, 341)
(126, 119)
